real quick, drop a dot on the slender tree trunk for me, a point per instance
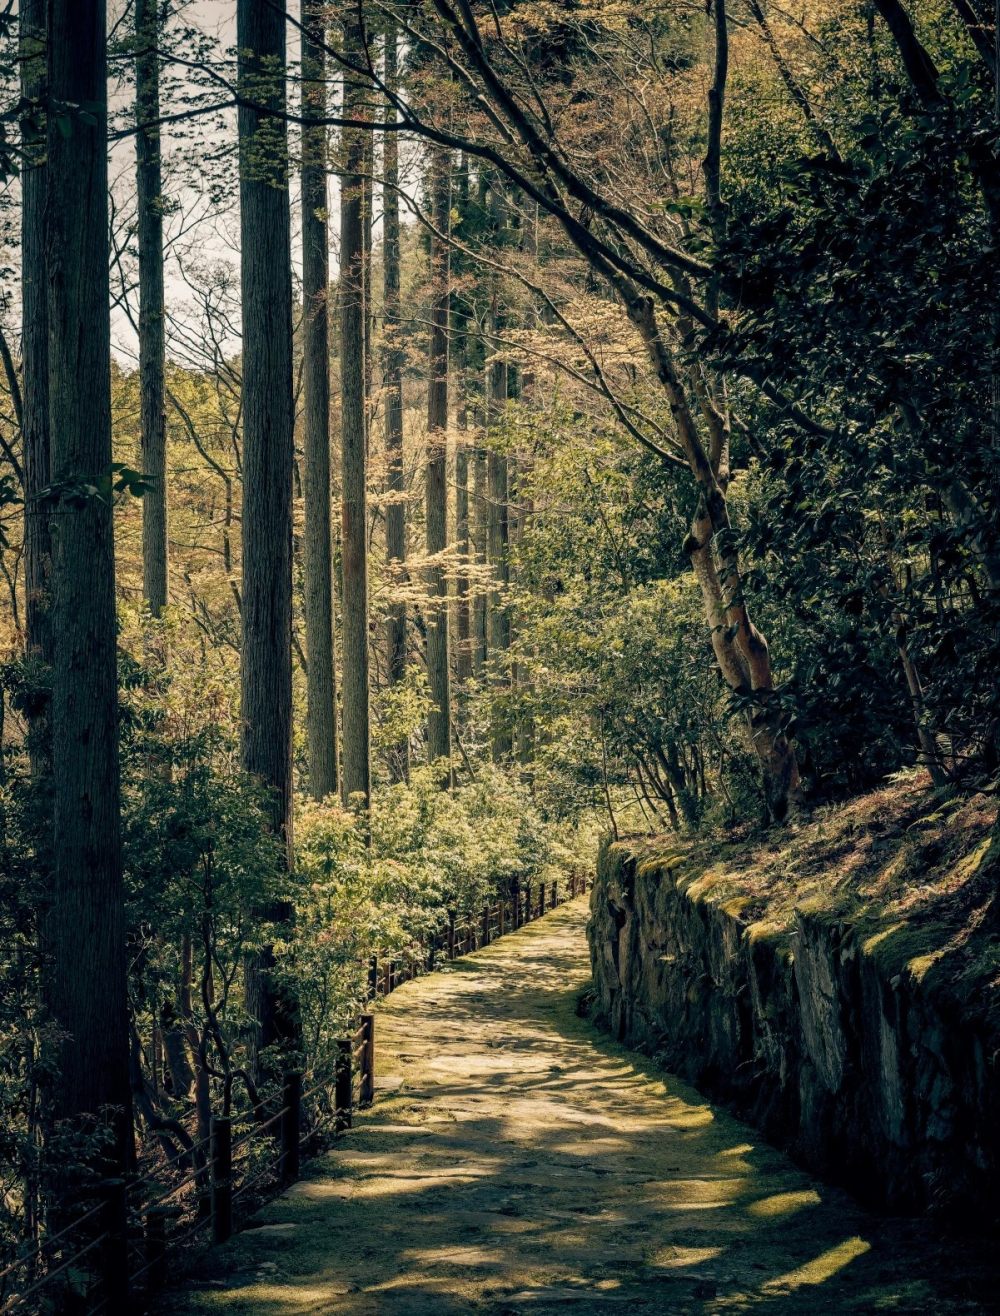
(85, 930)
(356, 776)
(321, 679)
(524, 503)
(152, 383)
(462, 321)
(479, 536)
(929, 750)
(497, 552)
(740, 648)
(463, 611)
(438, 665)
(367, 198)
(35, 367)
(393, 361)
(152, 348)
(266, 657)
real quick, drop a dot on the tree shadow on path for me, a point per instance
(525, 1164)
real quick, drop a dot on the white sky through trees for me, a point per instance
(200, 179)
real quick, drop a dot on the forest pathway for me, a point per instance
(517, 1163)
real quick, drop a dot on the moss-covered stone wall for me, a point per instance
(835, 1039)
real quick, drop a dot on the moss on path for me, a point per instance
(518, 1163)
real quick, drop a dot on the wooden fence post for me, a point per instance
(516, 903)
(156, 1245)
(291, 1123)
(368, 1061)
(344, 1091)
(222, 1178)
(114, 1262)
(486, 926)
(500, 916)
(451, 934)
(373, 977)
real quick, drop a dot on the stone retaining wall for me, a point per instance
(827, 1036)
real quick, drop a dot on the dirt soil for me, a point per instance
(519, 1163)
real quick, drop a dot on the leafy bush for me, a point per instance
(430, 852)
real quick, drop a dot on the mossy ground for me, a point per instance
(518, 1162)
(910, 868)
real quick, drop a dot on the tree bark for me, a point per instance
(356, 775)
(265, 267)
(498, 543)
(393, 361)
(479, 545)
(152, 344)
(35, 373)
(438, 638)
(464, 463)
(321, 676)
(463, 611)
(85, 930)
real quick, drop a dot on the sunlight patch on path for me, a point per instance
(521, 1164)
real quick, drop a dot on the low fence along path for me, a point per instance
(517, 1162)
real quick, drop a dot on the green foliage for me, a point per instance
(618, 672)
(23, 854)
(119, 478)
(868, 284)
(430, 851)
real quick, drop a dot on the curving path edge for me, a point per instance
(519, 1163)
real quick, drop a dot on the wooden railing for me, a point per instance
(472, 931)
(121, 1244)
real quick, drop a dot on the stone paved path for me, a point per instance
(520, 1164)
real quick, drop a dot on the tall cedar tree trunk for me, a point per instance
(152, 368)
(266, 285)
(393, 360)
(463, 608)
(438, 666)
(35, 370)
(479, 545)
(152, 349)
(367, 201)
(498, 546)
(522, 493)
(85, 925)
(356, 775)
(480, 532)
(321, 677)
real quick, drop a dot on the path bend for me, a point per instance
(518, 1163)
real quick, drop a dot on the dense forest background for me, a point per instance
(477, 428)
